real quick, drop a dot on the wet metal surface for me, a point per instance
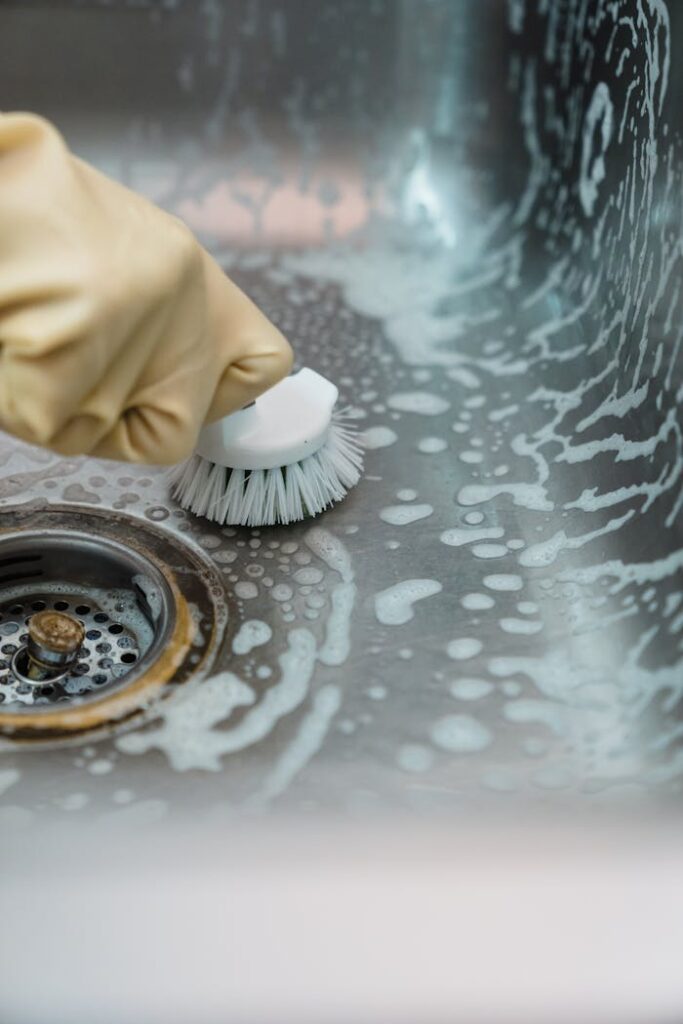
(470, 217)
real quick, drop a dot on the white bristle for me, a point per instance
(265, 497)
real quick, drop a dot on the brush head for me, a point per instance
(286, 457)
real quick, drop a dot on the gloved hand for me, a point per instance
(119, 335)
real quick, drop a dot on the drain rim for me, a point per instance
(135, 698)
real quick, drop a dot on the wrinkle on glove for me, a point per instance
(119, 335)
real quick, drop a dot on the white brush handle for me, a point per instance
(285, 425)
(235, 426)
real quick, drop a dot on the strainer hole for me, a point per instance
(129, 658)
(61, 606)
(16, 609)
(80, 669)
(100, 617)
(38, 606)
(103, 648)
(93, 634)
(105, 662)
(82, 609)
(9, 648)
(116, 628)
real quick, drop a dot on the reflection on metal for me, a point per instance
(470, 217)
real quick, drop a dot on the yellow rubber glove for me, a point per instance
(119, 335)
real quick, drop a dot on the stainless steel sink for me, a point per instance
(470, 216)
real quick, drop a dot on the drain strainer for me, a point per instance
(98, 613)
(113, 641)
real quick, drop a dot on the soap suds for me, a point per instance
(464, 648)
(537, 712)
(308, 741)
(336, 647)
(477, 602)
(330, 549)
(503, 582)
(489, 551)
(431, 445)
(460, 734)
(252, 633)
(471, 689)
(471, 457)
(423, 403)
(527, 627)
(394, 606)
(527, 607)
(186, 734)
(456, 536)
(308, 576)
(378, 437)
(403, 515)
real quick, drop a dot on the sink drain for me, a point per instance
(122, 602)
(99, 613)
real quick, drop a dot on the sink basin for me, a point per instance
(470, 217)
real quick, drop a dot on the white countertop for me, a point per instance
(366, 923)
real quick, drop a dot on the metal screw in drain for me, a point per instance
(54, 643)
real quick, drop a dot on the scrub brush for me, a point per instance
(286, 456)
